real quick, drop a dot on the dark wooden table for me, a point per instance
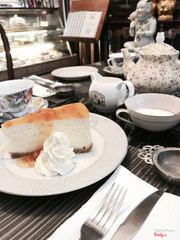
(38, 217)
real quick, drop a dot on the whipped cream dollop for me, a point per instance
(56, 157)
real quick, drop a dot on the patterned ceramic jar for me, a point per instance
(157, 70)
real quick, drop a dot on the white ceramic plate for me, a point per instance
(108, 151)
(74, 73)
(34, 105)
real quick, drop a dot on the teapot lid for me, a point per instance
(159, 48)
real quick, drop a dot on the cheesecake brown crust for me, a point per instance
(76, 150)
(83, 150)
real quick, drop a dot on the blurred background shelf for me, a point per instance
(34, 39)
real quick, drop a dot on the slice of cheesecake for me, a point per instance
(28, 133)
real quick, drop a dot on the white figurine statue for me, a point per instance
(142, 26)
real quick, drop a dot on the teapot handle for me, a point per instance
(130, 88)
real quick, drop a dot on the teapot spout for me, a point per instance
(96, 76)
(128, 63)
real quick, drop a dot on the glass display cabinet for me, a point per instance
(34, 40)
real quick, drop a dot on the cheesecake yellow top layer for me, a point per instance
(66, 112)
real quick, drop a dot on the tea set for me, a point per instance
(148, 89)
(155, 69)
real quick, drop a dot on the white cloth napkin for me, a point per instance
(162, 222)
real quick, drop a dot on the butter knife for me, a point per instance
(136, 218)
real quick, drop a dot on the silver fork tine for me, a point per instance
(109, 206)
(99, 223)
(100, 207)
(100, 210)
(106, 212)
(113, 215)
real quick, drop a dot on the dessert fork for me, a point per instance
(101, 220)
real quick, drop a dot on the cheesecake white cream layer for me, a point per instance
(30, 137)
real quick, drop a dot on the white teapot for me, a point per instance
(157, 70)
(107, 93)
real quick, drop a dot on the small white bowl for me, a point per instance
(15, 95)
(152, 111)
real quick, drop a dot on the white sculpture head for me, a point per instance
(143, 9)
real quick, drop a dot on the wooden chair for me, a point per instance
(10, 69)
(118, 38)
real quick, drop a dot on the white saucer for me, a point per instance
(113, 73)
(74, 73)
(20, 114)
(34, 105)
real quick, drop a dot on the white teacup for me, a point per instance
(108, 93)
(151, 111)
(116, 60)
(15, 95)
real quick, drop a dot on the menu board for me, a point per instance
(85, 20)
(82, 24)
